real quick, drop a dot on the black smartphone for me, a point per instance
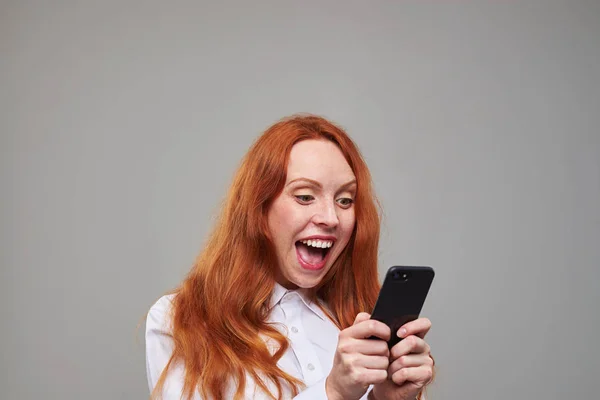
(401, 297)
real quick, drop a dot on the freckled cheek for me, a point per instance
(298, 218)
(291, 223)
(348, 218)
(347, 224)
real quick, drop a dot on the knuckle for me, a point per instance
(428, 376)
(383, 349)
(363, 378)
(395, 352)
(358, 376)
(372, 325)
(399, 376)
(380, 377)
(384, 361)
(345, 347)
(404, 373)
(352, 360)
(386, 352)
(412, 341)
(403, 361)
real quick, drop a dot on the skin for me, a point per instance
(317, 199)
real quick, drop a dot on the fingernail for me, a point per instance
(402, 332)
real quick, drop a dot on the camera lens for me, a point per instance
(400, 276)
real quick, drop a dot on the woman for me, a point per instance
(274, 306)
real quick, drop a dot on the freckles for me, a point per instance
(348, 221)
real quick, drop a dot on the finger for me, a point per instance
(360, 317)
(374, 362)
(410, 361)
(368, 376)
(419, 327)
(420, 376)
(369, 347)
(363, 329)
(410, 345)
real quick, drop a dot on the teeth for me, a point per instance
(321, 244)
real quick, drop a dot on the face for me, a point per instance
(311, 221)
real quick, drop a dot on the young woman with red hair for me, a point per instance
(275, 305)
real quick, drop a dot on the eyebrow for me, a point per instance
(318, 184)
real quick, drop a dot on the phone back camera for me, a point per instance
(400, 276)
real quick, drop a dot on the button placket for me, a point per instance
(301, 346)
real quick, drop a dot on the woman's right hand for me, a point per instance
(359, 362)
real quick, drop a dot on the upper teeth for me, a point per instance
(323, 244)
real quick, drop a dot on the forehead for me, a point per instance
(320, 160)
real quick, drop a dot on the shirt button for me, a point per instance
(311, 367)
(294, 329)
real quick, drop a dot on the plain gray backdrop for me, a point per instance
(123, 122)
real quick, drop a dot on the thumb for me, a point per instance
(360, 317)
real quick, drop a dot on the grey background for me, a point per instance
(123, 122)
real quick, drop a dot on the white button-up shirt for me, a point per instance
(312, 336)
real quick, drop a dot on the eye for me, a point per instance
(345, 202)
(304, 198)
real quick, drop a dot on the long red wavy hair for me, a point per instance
(220, 310)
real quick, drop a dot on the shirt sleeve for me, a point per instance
(159, 348)
(317, 392)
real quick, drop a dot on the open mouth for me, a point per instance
(312, 253)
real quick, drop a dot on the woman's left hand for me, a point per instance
(411, 365)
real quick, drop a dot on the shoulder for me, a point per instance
(160, 315)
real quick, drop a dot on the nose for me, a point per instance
(326, 216)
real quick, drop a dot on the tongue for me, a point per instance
(309, 254)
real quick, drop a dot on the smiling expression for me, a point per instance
(311, 221)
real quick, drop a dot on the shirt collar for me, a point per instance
(279, 291)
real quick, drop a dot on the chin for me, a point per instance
(307, 284)
(307, 279)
